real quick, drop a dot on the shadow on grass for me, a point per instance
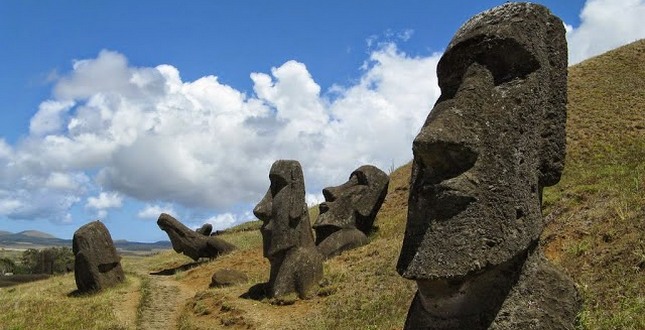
(11, 280)
(256, 292)
(79, 294)
(173, 271)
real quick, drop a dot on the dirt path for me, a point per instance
(167, 298)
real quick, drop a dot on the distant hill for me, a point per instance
(36, 234)
(38, 240)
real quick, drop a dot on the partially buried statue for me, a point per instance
(493, 140)
(192, 243)
(97, 265)
(287, 240)
(349, 210)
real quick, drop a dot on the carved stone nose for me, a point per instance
(330, 193)
(262, 211)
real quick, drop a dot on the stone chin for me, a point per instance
(472, 294)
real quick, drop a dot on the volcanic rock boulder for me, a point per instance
(287, 239)
(493, 140)
(190, 242)
(96, 264)
(227, 277)
(347, 215)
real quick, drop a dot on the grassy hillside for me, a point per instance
(597, 211)
(595, 233)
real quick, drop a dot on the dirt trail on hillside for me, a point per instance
(167, 298)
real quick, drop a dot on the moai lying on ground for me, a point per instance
(96, 264)
(287, 239)
(190, 242)
(493, 140)
(349, 210)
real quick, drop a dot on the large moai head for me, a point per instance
(493, 140)
(353, 204)
(283, 210)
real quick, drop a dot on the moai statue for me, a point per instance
(97, 266)
(192, 243)
(206, 229)
(287, 239)
(493, 140)
(349, 210)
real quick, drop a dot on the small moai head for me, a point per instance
(493, 140)
(283, 210)
(353, 204)
(206, 229)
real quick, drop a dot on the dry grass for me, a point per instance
(48, 304)
(597, 211)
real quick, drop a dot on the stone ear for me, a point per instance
(297, 194)
(372, 199)
(554, 118)
(366, 203)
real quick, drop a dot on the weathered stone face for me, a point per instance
(192, 243)
(287, 238)
(96, 264)
(349, 210)
(283, 210)
(355, 203)
(492, 141)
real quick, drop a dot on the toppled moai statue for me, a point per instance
(287, 239)
(96, 264)
(347, 215)
(191, 243)
(493, 140)
(206, 229)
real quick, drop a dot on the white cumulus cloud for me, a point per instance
(112, 131)
(604, 25)
(153, 211)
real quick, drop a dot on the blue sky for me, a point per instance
(120, 110)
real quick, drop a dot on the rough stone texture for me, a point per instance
(205, 229)
(96, 264)
(493, 140)
(227, 277)
(287, 239)
(349, 210)
(191, 243)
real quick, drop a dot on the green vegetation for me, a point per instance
(50, 304)
(597, 232)
(54, 260)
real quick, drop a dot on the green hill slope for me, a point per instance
(597, 211)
